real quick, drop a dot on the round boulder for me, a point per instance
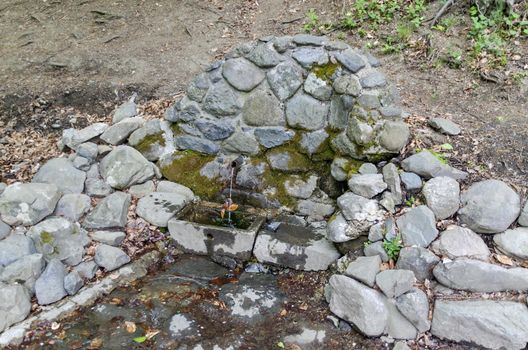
(489, 206)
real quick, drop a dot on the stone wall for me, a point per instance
(292, 106)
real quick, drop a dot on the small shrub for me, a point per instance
(392, 247)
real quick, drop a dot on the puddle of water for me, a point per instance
(196, 302)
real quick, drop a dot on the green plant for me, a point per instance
(393, 246)
(366, 244)
(404, 31)
(445, 24)
(415, 11)
(454, 58)
(410, 202)
(489, 34)
(313, 20)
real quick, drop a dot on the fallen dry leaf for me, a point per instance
(55, 326)
(96, 343)
(130, 326)
(284, 312)
(503, 259)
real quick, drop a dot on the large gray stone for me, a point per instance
(262, 108)
(198, 144)
(124, 167)
(241, 143)
(222, 100)
(414, 305)
(14, 247)
(305, 112)
(347, 84)
(215, 129)
(88, 150)
(418, 226)
(198, 87)
(49, 287)
(287, 161)
(296, 247)
(125, 111)
(428, 166)
(242, 74)
(173, 187)
(5, 229)
(73, 282)
(309, 56)
(442, 195)
(307, 39)
(372, 78)
(264, 55)
(394, 283)
(118, 133)
(143, 189)
(298, 187)
(394, 135)
(340, 230)
(27, 204)
(113, 238)
(158, 207)
(273, 137)
(398, 327)
(419, 260)
(351, 59)
(73, 138)
(110, 258)
(364, 269)
(59, 238)
(150, 139)
(311, 142)
(479, 276)
(489, 206)
(457, 242)
(445, 126)
(360, 212)
(376, 249)
(523, 218)
(110, 212)
(285, 80)
(356, 303)
(25, 270)
(486, 323)
(367, 185)
(513, 242)
(317, 87)
(318, 206)
(86, 269)
(383, 230)
(97, 188)
(73, 206)
(61, 173)
(15, 304)
(411, 182)
(391, 177)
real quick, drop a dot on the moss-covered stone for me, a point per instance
(184, 168)
(176, 129)
(46, 237)
(150, 142)
(325, 71)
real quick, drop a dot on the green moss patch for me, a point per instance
(46, 237)
(145, 146)
(185, 169)
(325, 71)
